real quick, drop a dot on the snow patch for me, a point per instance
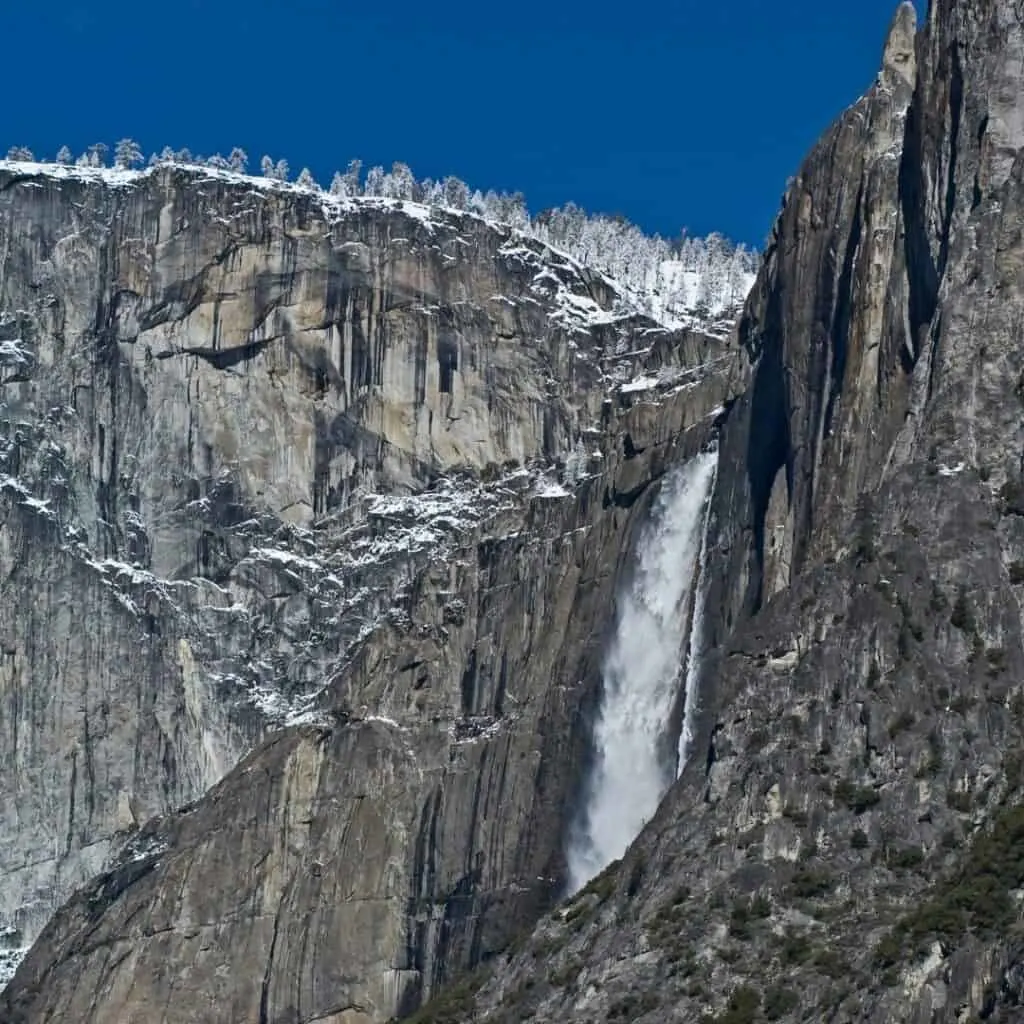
(545, 487)
(25, 498)
(112, 176)
(475, 729)
(286, 559)
(560, 281)
(9, 961)
(13, 352)
(669, 380)
(642, 383)
(408, 524)
(143, 849)
(384, 720)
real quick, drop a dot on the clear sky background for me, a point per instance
(675, 113)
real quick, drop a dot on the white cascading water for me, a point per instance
(641, 674)
(696, 647)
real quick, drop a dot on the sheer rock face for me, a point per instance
(847, 845)
(323, 506)
(826, 331)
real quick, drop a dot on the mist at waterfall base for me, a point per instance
(642, 673)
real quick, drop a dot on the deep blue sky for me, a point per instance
(673, 112)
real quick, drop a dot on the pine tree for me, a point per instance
(681, 277)
(432, 193)
(127, 154)
(506, 209)
(353, 178)
(403, 183)
(456, 193)
(20, 153)
(516, 213)
(374, 184)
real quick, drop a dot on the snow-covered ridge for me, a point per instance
(690, 284)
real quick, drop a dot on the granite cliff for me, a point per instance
(848, 846)
(313, 511)
(845, 841)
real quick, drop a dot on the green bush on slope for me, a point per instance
(976, 899)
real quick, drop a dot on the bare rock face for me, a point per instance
(845, 844)
(312, 513)
(848, 846)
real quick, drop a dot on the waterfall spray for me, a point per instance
(641, 674)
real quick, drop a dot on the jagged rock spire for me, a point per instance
(898, 60)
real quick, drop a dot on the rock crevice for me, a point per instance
(313, 512)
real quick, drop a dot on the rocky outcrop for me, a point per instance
(844, 844)
(313, 512)
(847, 845)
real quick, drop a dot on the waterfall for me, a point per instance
(696, 645)
(641, 674)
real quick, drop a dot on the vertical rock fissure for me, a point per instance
(267, 972)
(956, 101)
(641, 674)
(769, 449)
(841, 323)
(922, 273)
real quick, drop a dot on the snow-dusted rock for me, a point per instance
(314, 507)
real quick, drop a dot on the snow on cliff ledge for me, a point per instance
(703, 283)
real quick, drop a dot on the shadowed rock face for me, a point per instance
(847, 846)
(316, 509)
